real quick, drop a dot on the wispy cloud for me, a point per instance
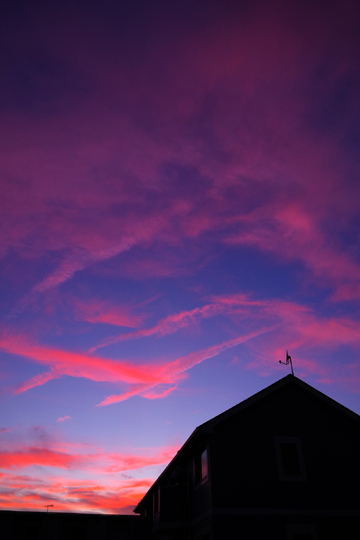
(197, 176)
(75, 476)
(69, 494)
(101, 311)
(63, 418)
(312, 327)
(174, 371)
(60, 456)
(168, 325)
(141, 378)
(293, 232)
(285, 322)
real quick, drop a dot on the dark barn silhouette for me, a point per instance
(283, 464)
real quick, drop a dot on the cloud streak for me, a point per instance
(220, 167)
(168, 325)
(58, 456)
(141, 378)
(294, 233)
(174, 371)
(70, 494)
(293, 323)
(107, 488)
(63, 418)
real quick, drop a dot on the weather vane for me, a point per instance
(48, 506)
(288, 361)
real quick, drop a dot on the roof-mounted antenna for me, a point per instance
(47, 506)
(288, 361)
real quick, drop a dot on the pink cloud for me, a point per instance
(59, 456)
(346, 291)
(75, 364)
(75, 477)
(174, 371)
(107, 489)
(63, 418)
(37, 456)
(281, 321)
(141, 378)
(158, 392)
(264, 152)
(37, 380)
(123, 462)
(227, 305)
(100, 311)
(293, 233)
(168, 325)
(72, 495)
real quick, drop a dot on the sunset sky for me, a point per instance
(180, 204)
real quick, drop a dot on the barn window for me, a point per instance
(156, 502)
(201, 464)
(290, 458)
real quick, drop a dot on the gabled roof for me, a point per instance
(208, 426)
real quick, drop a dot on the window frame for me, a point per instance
(197, 464)
(282, 475)
(156, 502)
